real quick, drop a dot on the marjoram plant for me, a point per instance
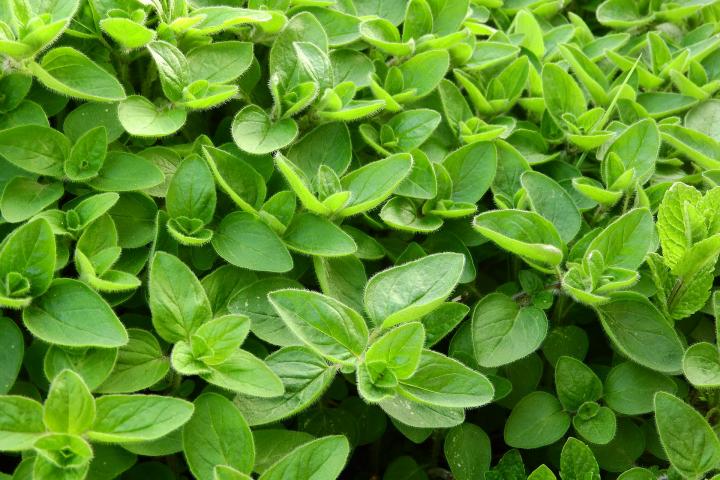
(359, 239)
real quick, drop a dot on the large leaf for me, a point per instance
(413, 289)
(70, 313)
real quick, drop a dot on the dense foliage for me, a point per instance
(367, 239)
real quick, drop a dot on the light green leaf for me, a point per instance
(371, 184)
(69, 406)
(70, 313)
(321, 459)
(314, 235)
(305, 375)
(178, 302)
(137, 418)
(523, 233)
(553, 202)
(536, 421)
(21, 423)
(324, 324)
(36, 149)
(71, 73)
(217, 434)
(638, 329)
(688, 440)
(139, 365)
(142, 118)
(503, 332)
(412, 290)
(255, 132)
(468, 451)
(246, 242)
(444, 382)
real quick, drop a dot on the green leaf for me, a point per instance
(324, 324)
(219, 62)
(172, 66)
(142, 118)
(70, 313)
(92, 364)
(371, 184)
(139, 365)
(342, 278)
(244, 373)
(398, 350)
(191, 192)
(327, 144)
(21, 423)
(472, 170)
(526, 234)
(577, 462)
(412, 290)
(62, 456)
(562, 94)
(215, 341)
(69, 407)
(305, 375)
(35, 148)
(503, 332)
(273, 444)
(245, 186)
(69, 72)
(674, 221)
(12, 350)
(553, 202)
(255, 132)
(126, 32)
(576, 383)
(217, 434)
(444, 382)
(252, 301)
(314, 235)
(246, 242)
(701, 118)
(626, 241)
(640, 332)
(178, 302)
(24, 197)
(321, 459)
(688, 440)
(123, 172)
(468, 451)
(413, 127)
(30, 252)
(542, 473)
(87, 155)
(638, 147)
(630, 388)
(596, 424)
(537, 420)
(136, 418)
(423, 72)
(701, 365)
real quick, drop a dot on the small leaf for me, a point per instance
(254, 131)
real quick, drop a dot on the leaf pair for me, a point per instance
(203, 345)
